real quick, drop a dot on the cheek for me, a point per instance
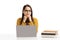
(30, 13)
(25, 13)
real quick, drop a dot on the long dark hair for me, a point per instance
(27, 21)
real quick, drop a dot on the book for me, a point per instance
(49, 33)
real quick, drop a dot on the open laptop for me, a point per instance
(26, 31)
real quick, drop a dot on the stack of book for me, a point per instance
(49, 33)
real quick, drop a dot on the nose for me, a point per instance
(27, 12)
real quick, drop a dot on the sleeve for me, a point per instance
(18, 21)
(36, 24)
(31, 23)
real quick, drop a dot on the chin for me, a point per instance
(28, 15)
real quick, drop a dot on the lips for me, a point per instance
(27, 14)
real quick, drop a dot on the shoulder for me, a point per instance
(35, 19)
(19, 19)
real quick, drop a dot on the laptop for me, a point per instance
(26, 31)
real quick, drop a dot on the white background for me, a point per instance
(46, 11)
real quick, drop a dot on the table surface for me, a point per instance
(13, 37)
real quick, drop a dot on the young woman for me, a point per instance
(27, 17)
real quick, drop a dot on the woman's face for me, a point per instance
(27, 11)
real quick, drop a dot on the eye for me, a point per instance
(26, 10)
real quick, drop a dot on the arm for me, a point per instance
(36, 24)
(18, 22)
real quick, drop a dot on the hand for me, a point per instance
(24, 18)
(29, 18)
